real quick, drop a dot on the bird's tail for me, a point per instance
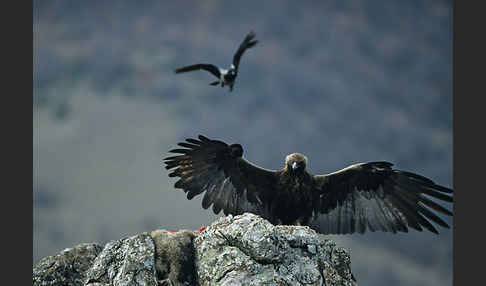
(214, 83)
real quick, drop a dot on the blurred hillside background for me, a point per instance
(339, 81)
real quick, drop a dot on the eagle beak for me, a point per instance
(295, 165)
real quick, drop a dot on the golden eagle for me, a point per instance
(362, 197)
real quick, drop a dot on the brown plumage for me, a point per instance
(362, 197)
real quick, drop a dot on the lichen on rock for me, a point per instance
(128, 261)
(68, 267)
(234, 250)
(248, 250)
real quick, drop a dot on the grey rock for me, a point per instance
(128, 261)
(248, 250)
(239, 250)
(68, 267)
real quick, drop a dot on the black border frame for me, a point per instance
(468, 144)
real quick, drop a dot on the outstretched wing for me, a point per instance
(373, 196)
(247, 43)
(208, 67)
(230, 183)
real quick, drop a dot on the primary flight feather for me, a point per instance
(363, 197)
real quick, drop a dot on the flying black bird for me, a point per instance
(225, 77)
(366, 196)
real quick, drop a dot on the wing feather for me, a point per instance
(247, 43)
(230, 183)
(374, 197)
(207, 67)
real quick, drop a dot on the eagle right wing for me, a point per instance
(247, 43)
(230, 182)
(208, 67)
(373, 196)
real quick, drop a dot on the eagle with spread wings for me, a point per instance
(225, 76)
(362, 197)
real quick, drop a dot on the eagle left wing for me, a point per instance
(373, 196)
(214, 70)
(247, 43)
(230, 182)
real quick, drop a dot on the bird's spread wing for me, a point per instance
(230, 183)
(208, 67)
(374, 197)
(247, 43)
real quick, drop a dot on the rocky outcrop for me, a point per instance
(128, 261)
(68, 267)
(239, 250)
(248, 250)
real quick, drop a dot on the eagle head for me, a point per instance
(296, 162)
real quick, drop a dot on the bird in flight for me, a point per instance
(225, 77)
(362, 197)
